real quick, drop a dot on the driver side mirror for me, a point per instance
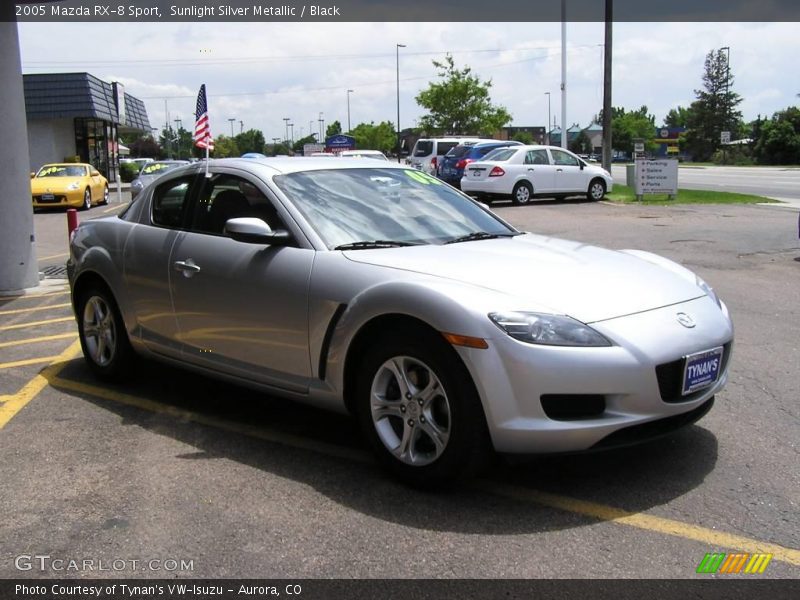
(255, 231)
(95, 173)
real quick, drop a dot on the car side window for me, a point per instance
(169, 200)
(226, 197)
(563, 159)
(536, 157)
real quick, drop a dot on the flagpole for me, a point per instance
(207, 173)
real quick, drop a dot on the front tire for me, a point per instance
(104, 339)
(597, 190)
(522, 193)
(87, 199)
(418, 407)
(104, 201)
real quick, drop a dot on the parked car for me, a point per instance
(428, 152)
(380, 291)
(374, 154)
(152, 171)
(524, 172)
(451, 167)
(69, 184)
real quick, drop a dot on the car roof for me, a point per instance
(65, 165)
(290, 164)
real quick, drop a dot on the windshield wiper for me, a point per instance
(481, 235)
(366, 245)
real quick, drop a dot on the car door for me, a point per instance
(537, 169)
(146, 258)
(569, 177)
(241, 308)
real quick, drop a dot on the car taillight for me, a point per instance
(496, 172)
(463, 163)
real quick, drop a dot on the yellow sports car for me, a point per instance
(70, 184)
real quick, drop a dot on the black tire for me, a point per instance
(454, 412)
(104, 339)
(597, 190)
(87, 199)
(522, 193)
(104, 201)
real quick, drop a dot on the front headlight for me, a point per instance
(74, 186)
(548, 330)
(709, 291)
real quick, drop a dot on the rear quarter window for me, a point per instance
(445, 147)
(423, 148)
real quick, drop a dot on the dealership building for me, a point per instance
(77, 117)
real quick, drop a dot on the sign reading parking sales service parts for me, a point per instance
(656, 177)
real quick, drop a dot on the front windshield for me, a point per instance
(404, 205)
(61, 171)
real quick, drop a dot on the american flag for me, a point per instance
(202, 130)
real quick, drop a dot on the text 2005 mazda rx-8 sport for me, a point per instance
(379, 290)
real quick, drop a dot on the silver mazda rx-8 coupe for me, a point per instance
(378, 290)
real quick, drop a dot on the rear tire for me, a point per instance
(104, 339)
(522, 193)
(419, 409)
(104, 201)
(597, 190)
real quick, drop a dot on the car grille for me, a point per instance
(670, 378)
(50, 200)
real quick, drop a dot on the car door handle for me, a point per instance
(187, 267)
(559, 169)
(531, 169)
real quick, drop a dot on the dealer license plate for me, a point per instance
(701, 370)
(48, 197)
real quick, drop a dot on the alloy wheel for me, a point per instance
(99, 331)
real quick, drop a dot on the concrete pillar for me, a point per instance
(18, 269)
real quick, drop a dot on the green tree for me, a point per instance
(524, 137)
(677, 117)
(460, 103)
(777, 140)
(251, 140)
(279, 148)
(145, 147)
(225, 147)
(581, 144)
(298, 145)
(628, 126)
(334, 128)
(375, 137)
(714, 110)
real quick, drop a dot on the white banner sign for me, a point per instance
(656, 177)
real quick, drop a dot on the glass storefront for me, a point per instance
(96, 144)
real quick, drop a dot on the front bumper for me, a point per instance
(71, 198)
(529, 391)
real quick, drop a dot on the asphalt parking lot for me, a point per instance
(219, 481)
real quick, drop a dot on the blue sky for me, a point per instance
(259, 73)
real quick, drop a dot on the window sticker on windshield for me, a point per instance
(422, 177)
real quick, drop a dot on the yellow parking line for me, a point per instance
(687, 531)
(113, 208)
(45, 338)
(34, 295)
(28, 361)
(54, 256)
(565, 503)
(11, 405)
(36, 323)
(34, 309)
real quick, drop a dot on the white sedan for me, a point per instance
(523, 172)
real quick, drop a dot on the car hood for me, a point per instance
(585, 282)
(53, 184)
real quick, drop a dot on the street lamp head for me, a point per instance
(401, 45)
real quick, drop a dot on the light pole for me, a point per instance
(275, 145)
(727, 83)
(241, 126)
(231, 122)
(291, 132)
(397, 51)
(564, 74)
(286, 127)
(321, 127)
(548, 117)
(348, 110)
(178, 127)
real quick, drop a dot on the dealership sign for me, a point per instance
(656, 177)
(337, 143)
